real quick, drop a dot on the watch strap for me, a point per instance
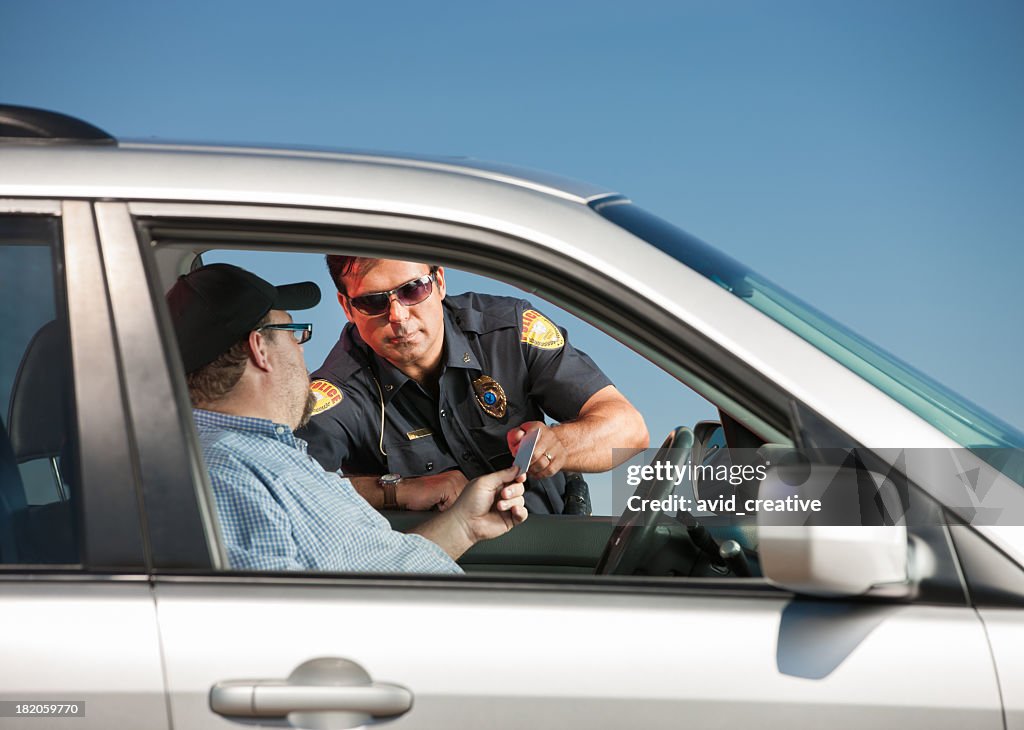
(389, 485)
(390, 495)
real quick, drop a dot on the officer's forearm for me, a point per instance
(369, 490)
(603, 425)
(414, 493)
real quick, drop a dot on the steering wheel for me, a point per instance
(633, 538)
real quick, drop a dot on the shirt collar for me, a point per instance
(212, 420)
(391, 379)
(458, 353)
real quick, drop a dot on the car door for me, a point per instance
(523, 654)
(78, 634)
(507, 650)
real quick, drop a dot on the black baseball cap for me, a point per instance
(217, 305)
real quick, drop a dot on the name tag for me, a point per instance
(418, 433)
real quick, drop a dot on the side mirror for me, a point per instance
(838, 550)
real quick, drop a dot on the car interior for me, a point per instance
(39, 532)
(649, 543)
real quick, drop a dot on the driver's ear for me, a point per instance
(258, 351)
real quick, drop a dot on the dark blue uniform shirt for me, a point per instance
(504, 363)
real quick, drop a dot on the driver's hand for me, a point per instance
(550, 455)
(492, 504)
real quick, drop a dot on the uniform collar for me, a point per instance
(458, 353)
(387, 377)
(391, 379)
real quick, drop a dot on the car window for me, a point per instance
(551, 543)
(38, 440)
(659, 542)
(664, 542)
(664, 402)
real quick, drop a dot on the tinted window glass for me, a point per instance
(966, 423)
(37, 441)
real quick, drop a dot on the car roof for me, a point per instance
(539, 180)
(189, 166)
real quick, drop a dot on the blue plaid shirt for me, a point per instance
(279, 509)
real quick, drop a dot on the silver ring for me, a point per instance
(550, 458)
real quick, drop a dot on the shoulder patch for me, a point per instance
(539, 331)
(327, 395)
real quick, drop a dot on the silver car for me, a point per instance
(118, 605)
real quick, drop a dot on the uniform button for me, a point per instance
(444, 413)
(467, 456)
(429, 466)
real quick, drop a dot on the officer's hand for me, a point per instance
(438, 490)
(491, 505)
(548, 457)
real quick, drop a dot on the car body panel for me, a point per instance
(588, 658)
(540, 180)
(84, 641)
(1005, 630)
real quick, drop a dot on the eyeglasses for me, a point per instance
(300, 331)
(408, 294)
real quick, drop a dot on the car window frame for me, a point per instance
(180, 524)
(163, 226)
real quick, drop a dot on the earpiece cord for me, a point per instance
(380, 394)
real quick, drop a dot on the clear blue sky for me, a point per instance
(867, 156)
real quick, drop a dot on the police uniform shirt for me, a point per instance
(504, 363)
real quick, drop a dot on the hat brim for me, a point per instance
(304, 295)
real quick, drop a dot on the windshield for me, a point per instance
(963, 421)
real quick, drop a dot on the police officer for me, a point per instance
(423, 392)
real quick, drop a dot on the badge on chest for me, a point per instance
(490, 395)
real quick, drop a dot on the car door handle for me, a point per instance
(325, 685)
(277, 699)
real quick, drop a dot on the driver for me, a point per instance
(278, 510)
(424, 391)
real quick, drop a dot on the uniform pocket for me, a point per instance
(419, 457)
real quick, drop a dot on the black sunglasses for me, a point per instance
(408, 294)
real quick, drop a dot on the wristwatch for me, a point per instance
(389, 483)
